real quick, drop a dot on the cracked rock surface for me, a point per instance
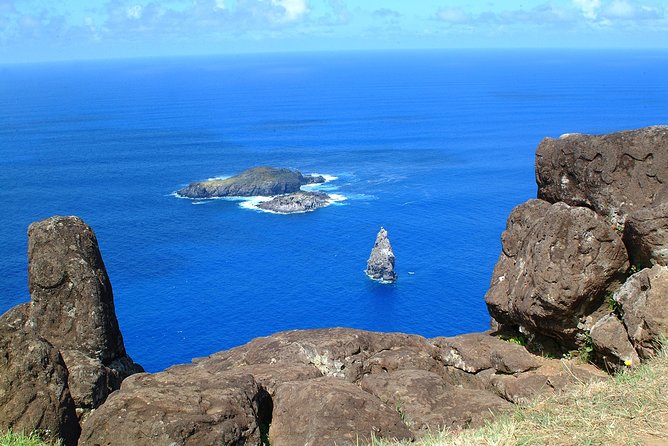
(327, 386)
(613, 174)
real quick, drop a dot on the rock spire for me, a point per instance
(380, 265)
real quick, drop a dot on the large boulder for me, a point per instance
(646, 236)
(557, 263)
(642, 300)
(34, 394)
(380, 265)
(613, 174)
(175, 408)
(72, 307)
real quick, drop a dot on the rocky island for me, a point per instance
(296, 202)
(258, 181)
(563, 284)
(380, 265)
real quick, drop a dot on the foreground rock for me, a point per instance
(646, 236)
(327, 411)
(613, 174)
(380, 265)
(557, 264)
(258, 181)
(34, 394)
(195, 408)
(611, 341)
(62, 354)
(328, 386)
(296, 202)
(72, 307)
(643, 302)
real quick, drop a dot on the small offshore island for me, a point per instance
(281, 184)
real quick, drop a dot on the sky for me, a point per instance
(43, 30)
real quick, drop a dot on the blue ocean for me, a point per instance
(435, 146)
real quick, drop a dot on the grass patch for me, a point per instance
(629, 409)
(13, 439)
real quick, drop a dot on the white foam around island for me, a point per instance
(219, 177)
(337, 197)
(327, 178)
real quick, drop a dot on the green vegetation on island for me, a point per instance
(258, 181)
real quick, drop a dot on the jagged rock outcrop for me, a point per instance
(558, 262)
(380, 265)
(481, 361)
(72, 307)
(646, 236)
(643, 302)
(296, 202)
(613, 174)
(258, 181)
(327, 386)
(34, 394)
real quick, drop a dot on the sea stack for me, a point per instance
(381, 261)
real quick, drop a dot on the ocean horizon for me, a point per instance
(437, 146)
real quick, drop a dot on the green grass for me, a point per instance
(13, 439)
(630, 409)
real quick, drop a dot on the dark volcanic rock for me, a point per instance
(614, 174)
(34, 394)
(611, 342)
(557, 263)
(296, 202)
(380, 265)
(328, 411)
(175, 408)
(337, 352)
(475, 352)
(327, 386)
(258, 181)
(643, 303)
(425, 400)
(72, 307)
(552, 377)
(646, 236)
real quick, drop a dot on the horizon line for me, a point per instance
(325, 51)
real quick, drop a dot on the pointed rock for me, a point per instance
(72, 307)
(381, 262)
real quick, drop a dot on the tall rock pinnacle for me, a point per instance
(381, 261)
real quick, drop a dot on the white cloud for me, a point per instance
(134, 12)
(294, 9)
(621, 9)
(453, 15)
(220, 4)
(589, 8)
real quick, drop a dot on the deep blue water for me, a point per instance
(437, 146)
